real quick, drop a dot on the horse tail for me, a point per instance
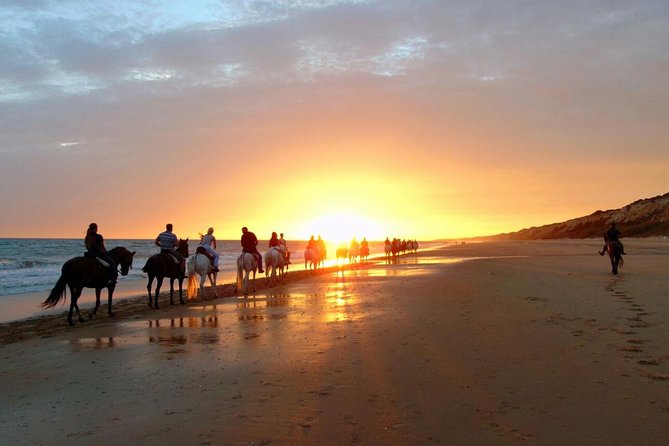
(191, 289)
(58, 292)
(147, 265)
(240, 270)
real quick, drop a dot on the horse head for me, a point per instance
(123, 258)
(182, 247)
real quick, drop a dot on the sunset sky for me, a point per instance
(421, 119)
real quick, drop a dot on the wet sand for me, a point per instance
(530, 342)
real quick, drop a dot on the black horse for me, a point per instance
(615, 250)
(86, 272)
(162, 265)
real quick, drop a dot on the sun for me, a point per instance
(341, 227)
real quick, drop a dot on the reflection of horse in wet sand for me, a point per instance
(200, 264)
(164, 265)
(274, 259)
(86, 272)
(615, 250)
(312, 258)
(246, 263)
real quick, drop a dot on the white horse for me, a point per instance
(311, 258)
(246, 263)
(201, 265)
(274, 259)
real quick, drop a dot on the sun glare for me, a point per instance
(342, 227)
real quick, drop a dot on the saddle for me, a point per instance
(90, 255)
(174, 258)
(202, 250)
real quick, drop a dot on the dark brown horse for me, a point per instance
(86, 272)
(615, 250)
(162, 265)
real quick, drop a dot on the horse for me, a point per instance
(200, 264)
(274, 259)
(162, 265)
(615, 250)
(86, 272)
(387, 249)
(246, 263)
(353, 253)
(311, 258)
(364, 253)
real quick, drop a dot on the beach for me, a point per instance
(476, 343)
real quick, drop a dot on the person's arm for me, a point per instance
(214, 240)
(157, 242)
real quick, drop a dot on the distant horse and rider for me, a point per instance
(614, 247)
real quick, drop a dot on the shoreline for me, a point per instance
(133, 302)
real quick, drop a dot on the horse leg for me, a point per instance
(171, 291)
(110, 293)
(159, 284)
(254, 281)
(74, 297)
(181, 291)
(203, 277)
(148, 288)
(213, 282)
(97, 302)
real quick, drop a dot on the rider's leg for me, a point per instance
(259, 259)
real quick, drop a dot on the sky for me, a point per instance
(416, 119)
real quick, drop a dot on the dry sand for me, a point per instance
(532, 343)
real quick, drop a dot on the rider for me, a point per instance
(168, 242)
(250, 245)
(612, 235)
(311, 244)
(286, 252)
(274, 242)
(321, 245)
(95, 247)
(364, 246)
(208, 242)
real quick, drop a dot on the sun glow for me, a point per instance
(342, 227)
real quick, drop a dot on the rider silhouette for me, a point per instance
(95, 247)
(610, 236)
(208, 242)
(168, 242)
(250, 245)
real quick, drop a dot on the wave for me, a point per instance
(14, 264)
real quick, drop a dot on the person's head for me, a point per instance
(210, 231)
(312, 237)
(168, 227)
(613, 224)
(93, 227)
(245, 230)
(273, 234)
(281, 235)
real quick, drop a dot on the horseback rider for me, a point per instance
(311, 244)
(95, 247)
(612, 236)
(250, 245)
(275, 243)
(168, 242)
(364, 246)
(286, 252)
(321, 246)
(208, 242)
